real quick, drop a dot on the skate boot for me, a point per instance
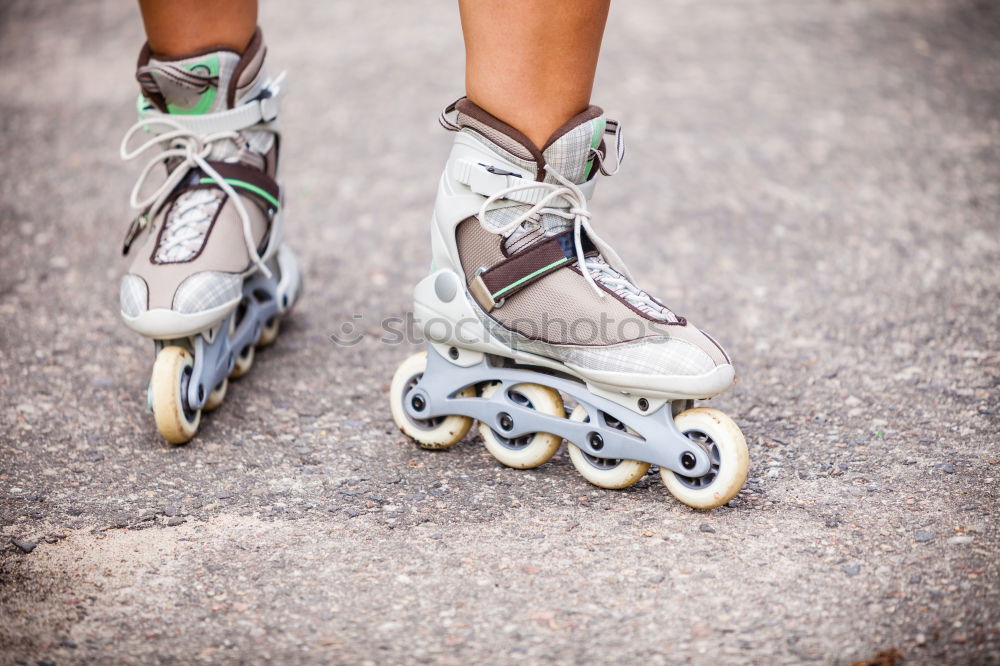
(212, 278)
(527, 310)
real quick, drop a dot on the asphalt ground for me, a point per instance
(815, 183)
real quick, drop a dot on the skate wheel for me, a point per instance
(216, 397)
(169, 384)
(436, 433)
(604, 472)
(721, 438)
(532, 450)
(269, 333)
(244, 361)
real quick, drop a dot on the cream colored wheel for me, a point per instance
(243, 363)
(531, 450)
(269, 333)
(171, 376)
(722, 440)
(604, 472)
(216, 397)
(435, 433)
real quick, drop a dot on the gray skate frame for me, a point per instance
(659, 441)
(213, 361)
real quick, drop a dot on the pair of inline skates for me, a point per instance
(526, 310)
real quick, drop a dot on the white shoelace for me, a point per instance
(192, 150)
(186, 225)
(578, 212)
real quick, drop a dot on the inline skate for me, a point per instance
(213, 278)
(528, 312)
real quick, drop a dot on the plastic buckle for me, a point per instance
(269, 107)
(487, 183)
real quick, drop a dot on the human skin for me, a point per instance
(530, 63)
(178, 27)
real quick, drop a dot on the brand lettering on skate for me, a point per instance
(469, 331)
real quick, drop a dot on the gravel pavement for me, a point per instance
(816, 183)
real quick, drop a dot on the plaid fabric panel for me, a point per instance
(649, 356)
(134, 296)
(207, 290)
(657, 355)
(569, 154)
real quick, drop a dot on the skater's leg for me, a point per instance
(531, 64)
(179, 27)
(210, 278)
(511, 225)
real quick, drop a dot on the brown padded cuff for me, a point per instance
(479, 114)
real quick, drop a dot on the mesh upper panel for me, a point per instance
(189, 217)
(476, 247)
(562, 308)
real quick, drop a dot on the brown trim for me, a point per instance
(271, 158)
(145, 53)
(193, 54)
(249, 53)
(526, 262)
(681, 321)
(469, 108)
(589, 113)
(248, 174)
(717, 346)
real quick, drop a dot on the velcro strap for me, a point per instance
(510, 276)
(264, 109)
(244, 178)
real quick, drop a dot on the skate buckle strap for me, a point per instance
(262, 109)
(487, 180)
(491, 286)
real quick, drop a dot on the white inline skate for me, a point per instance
(527, 310)
(213, 278)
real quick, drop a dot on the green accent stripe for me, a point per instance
(246, 186)
(595, 141)
(527, 277)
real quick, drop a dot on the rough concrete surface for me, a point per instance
(814, 182)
